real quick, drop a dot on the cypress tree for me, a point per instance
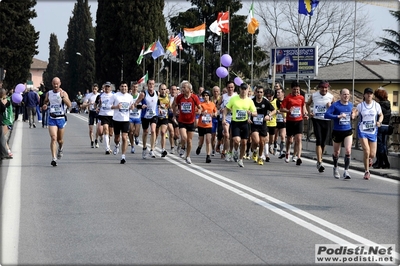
(52, 69)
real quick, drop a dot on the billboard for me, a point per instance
(288, 62)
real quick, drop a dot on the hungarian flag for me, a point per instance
(306, 7)
(172, 46)
(144, 79)
(221, 24)
(252, 23)
(196, 34)
(139, 60)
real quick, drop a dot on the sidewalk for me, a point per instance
(356, 160)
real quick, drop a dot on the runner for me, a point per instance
(88, 103)
(134, 119)
(173, 128)
(103, 108)
(271, 125)
(280, 130)
(162, 124)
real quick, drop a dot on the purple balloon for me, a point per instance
(16, 97)
(20, 88)
(222, 72)
(226, 60)
(238, 81)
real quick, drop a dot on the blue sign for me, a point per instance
(288, 62)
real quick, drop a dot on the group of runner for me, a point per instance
(236, 125)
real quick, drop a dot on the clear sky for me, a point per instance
(54, 16)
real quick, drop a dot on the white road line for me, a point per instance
(11, 203)
(359, 239)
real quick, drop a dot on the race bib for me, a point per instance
(186, 108)
(345, 120)
(258, 120)
(279, 118)
(368, 125)
(206, 119)
(149, 113)
(124, 107)
(296, 112)
(134, 113)
(163, 113)
(55, 109)
(319, 111)
(241, 114)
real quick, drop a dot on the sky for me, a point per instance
(53, 17)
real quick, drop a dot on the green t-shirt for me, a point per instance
(240, 107)
(8, 116)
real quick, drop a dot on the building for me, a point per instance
(38, 67)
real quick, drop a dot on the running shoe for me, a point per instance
(213, 153)
(336, 173)
(367, 175)
(346, 175)
(108, 151)
(228, 157)
(182, 152)
(271, 150)
(294, 158)
(101, 139)
(298, 161)
(152, 154)
(10, 154)
(198, 150)
(208, 159)
(164, 153)
(133, 149)
(247, 156)
(137, 140)
(267, 159)
(59, 154)
(260, 161)
(96, 144)
(54, 162)
(255, 157)
(34, 126)
(320, 167)
(240, 163)
(123, 160)
(235, 155)
(129, 142)
(144, 153)
(92, 144)
(116, 149)
(287, 159)
(281, 156)
(188, 161)
(172, 150)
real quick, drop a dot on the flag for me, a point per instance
(252, 23)
(143, 79)
(172, 46)
(306, 7)
(139, 60)
(196, 34)
(178, 41)
(158, 51)
(150, 49)
(221, 24)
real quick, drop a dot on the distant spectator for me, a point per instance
(31, 101)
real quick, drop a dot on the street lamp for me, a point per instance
(78, 53)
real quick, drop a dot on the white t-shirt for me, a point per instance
(126, 100)
(368, 114)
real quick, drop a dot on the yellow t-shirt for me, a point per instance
(164, 105)
(272, 123)
(240, 107)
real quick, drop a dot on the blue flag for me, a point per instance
(306, 7)
(159, 50)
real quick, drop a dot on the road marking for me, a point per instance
(11, 203)
(207, 175)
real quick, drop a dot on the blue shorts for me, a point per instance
(60, 123)
(136, 121)
(369, 136)
(214, 125)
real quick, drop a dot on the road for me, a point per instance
(90, 209)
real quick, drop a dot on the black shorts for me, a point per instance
(92, 118)
(280, 125)
(204, 130)
(121, 126)
(188, 127)
(147, 121)
(107, 120)
(240, 129)
(171, 121)
(339, 136)
(262, 130)
(271, 130)
(293, 128)
(162, 121)
(321, 128)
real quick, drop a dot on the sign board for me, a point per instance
(287, 61)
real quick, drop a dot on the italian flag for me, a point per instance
(196, 34)
(143, 80)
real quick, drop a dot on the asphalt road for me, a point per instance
(90, 209)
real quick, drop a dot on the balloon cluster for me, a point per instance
(222, 71)
(17, 95)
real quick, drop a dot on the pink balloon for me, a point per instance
(16, 97)
(222, 72)
(238, 81)
(20, 88)
(226, 60)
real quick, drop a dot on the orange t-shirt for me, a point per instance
(205, 121)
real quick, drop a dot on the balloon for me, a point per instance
(222, 72)
(16, 97)
(20, 88)
(226, 60)
(238, 81)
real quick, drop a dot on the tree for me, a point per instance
(18, 40)
(79, 50)
(239, 43)
(52, 69)
(392, 46)
(117, 48)
(331, 28)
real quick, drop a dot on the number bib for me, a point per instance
(345, 120)
(319, 111)
(258, 120)
(241, 114)
(56, 109)
(295, 112)
(163, 113)
(368, 126)
(206, 119)
(149, 114)
(186, 108)
(134, 113)
(279, 118)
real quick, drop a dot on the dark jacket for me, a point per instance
(386, 111)
(31, 99)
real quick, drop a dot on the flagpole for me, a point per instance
(170, 71)
(354, 50)
(274, 70)
(204, 55)
(252, 59)
(180, 60)
(229, 32)
(298, 45)
(220, 54)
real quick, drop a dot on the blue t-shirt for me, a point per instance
(337, 108)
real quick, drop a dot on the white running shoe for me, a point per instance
(294, 158)
(152, 154)
(188, 161)
(59, 154)
(240, 163)
(137, 140)
(228, 157)
(235, 156)
(116, 149)
(336, 173)
(133, 149)
(144, 154)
